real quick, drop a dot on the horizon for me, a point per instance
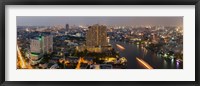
(104, 20)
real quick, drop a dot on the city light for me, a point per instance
(119, 46)
(144, 63)
(101, 46)
(21, 59)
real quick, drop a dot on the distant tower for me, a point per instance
(67, 26)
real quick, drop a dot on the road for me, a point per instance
(22, 63)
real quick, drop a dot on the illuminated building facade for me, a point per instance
(40, 46)
(96, 36)
(96, 39)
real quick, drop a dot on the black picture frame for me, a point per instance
(98, 2)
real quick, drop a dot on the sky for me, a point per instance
(107, 20)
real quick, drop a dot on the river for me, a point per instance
(132, 51)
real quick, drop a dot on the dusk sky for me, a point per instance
(108, 20)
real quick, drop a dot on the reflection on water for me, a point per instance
(177, 65)
(165, 64)
(132, 51)
(172, 62)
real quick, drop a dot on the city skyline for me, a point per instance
(100, 46)
(104, 20)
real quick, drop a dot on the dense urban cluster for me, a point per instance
(91, 46)
(166, 41)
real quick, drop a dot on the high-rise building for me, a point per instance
(41, 45)
(47, 44)
(96, 40)
(35, 45)
(67, 26)
(96, 36)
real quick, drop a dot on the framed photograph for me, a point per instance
(109, 42)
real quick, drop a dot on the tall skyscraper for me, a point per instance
(96, 36)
